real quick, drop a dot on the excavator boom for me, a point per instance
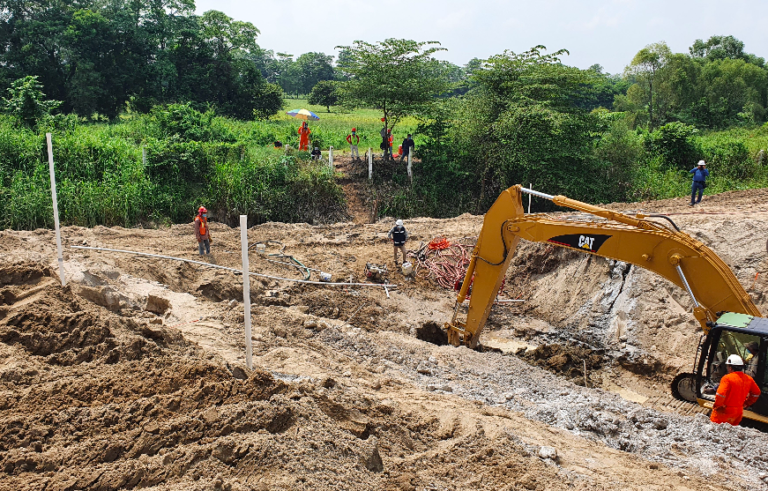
(659, 248)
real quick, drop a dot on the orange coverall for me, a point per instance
(737, 391)
(304, 137)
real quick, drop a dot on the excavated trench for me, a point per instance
(100, 390)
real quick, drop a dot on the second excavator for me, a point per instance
(730, 322)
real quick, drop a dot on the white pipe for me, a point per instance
(246, 289)
(536, 193)
(687, 286)
(294, 265)
(55, 211)
(321, 283)
(330, 157)
(370, 163)
(410, 175)
(529, 201)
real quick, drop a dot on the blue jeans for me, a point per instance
(204, 244)
(697, 185)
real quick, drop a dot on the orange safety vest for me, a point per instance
(736, 390)
(203, 223)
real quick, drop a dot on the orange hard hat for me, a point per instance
(354, 129)
(202, 210)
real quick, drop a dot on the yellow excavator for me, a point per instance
(731, 323)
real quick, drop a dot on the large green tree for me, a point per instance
(647, 68)
(96, 56)
(314, 68)
(397, 76)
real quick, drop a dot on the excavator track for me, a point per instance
(669, 404)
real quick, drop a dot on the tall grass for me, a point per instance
(103, 180)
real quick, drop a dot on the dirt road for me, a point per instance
(133, 375)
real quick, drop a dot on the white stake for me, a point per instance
(330, 157)
(529, 200)
(370, 164)
(246, 290)
(410, 175)
(55, 210)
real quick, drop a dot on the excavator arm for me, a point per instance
(657, 247)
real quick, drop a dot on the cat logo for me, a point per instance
(587, 243)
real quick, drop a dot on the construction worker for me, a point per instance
(304, 137)
(385, 146)
(399, 235)
(737, 391)
(700, 174)
(316, 153)
(202, 232)
(353, 141)
(750, 361)
(407, 147)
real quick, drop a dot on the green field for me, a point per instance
(332, 128)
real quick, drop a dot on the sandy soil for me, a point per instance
(133, 375)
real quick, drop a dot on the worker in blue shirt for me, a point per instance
(700, 174)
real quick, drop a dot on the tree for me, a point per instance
(313, 68)
(646, 66)
(324, 94)
(27, 101)
(397, 76)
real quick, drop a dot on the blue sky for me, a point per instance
(607, 32)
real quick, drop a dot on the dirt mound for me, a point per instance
(568, 360)
(25, 273)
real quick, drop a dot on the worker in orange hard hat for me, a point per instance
(202, 232)
(737, 391)
(353, 141)
(304, 136)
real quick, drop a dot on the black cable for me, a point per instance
(665, 217)
(506, 249)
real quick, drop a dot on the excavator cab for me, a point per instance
(739, 334)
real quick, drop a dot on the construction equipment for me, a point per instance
(727, 316)
(377, 273)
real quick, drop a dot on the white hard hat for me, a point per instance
(701, 162)
(735, 360)
(399, 222)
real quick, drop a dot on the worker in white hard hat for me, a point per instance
(737, 391)
(399, 235)
(700, 174)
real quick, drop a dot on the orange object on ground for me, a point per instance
(737, 390)
(439, 244)
(304, 132)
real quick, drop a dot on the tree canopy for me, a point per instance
(397, 76)
(95, 57)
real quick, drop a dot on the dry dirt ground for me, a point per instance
(133, 375)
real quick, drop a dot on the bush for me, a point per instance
(675, 144)
(103, 181)
(727, 156)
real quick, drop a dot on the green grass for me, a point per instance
(332, 128)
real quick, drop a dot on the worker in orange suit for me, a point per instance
(737, 391)
(202, 233)
(304, 136)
